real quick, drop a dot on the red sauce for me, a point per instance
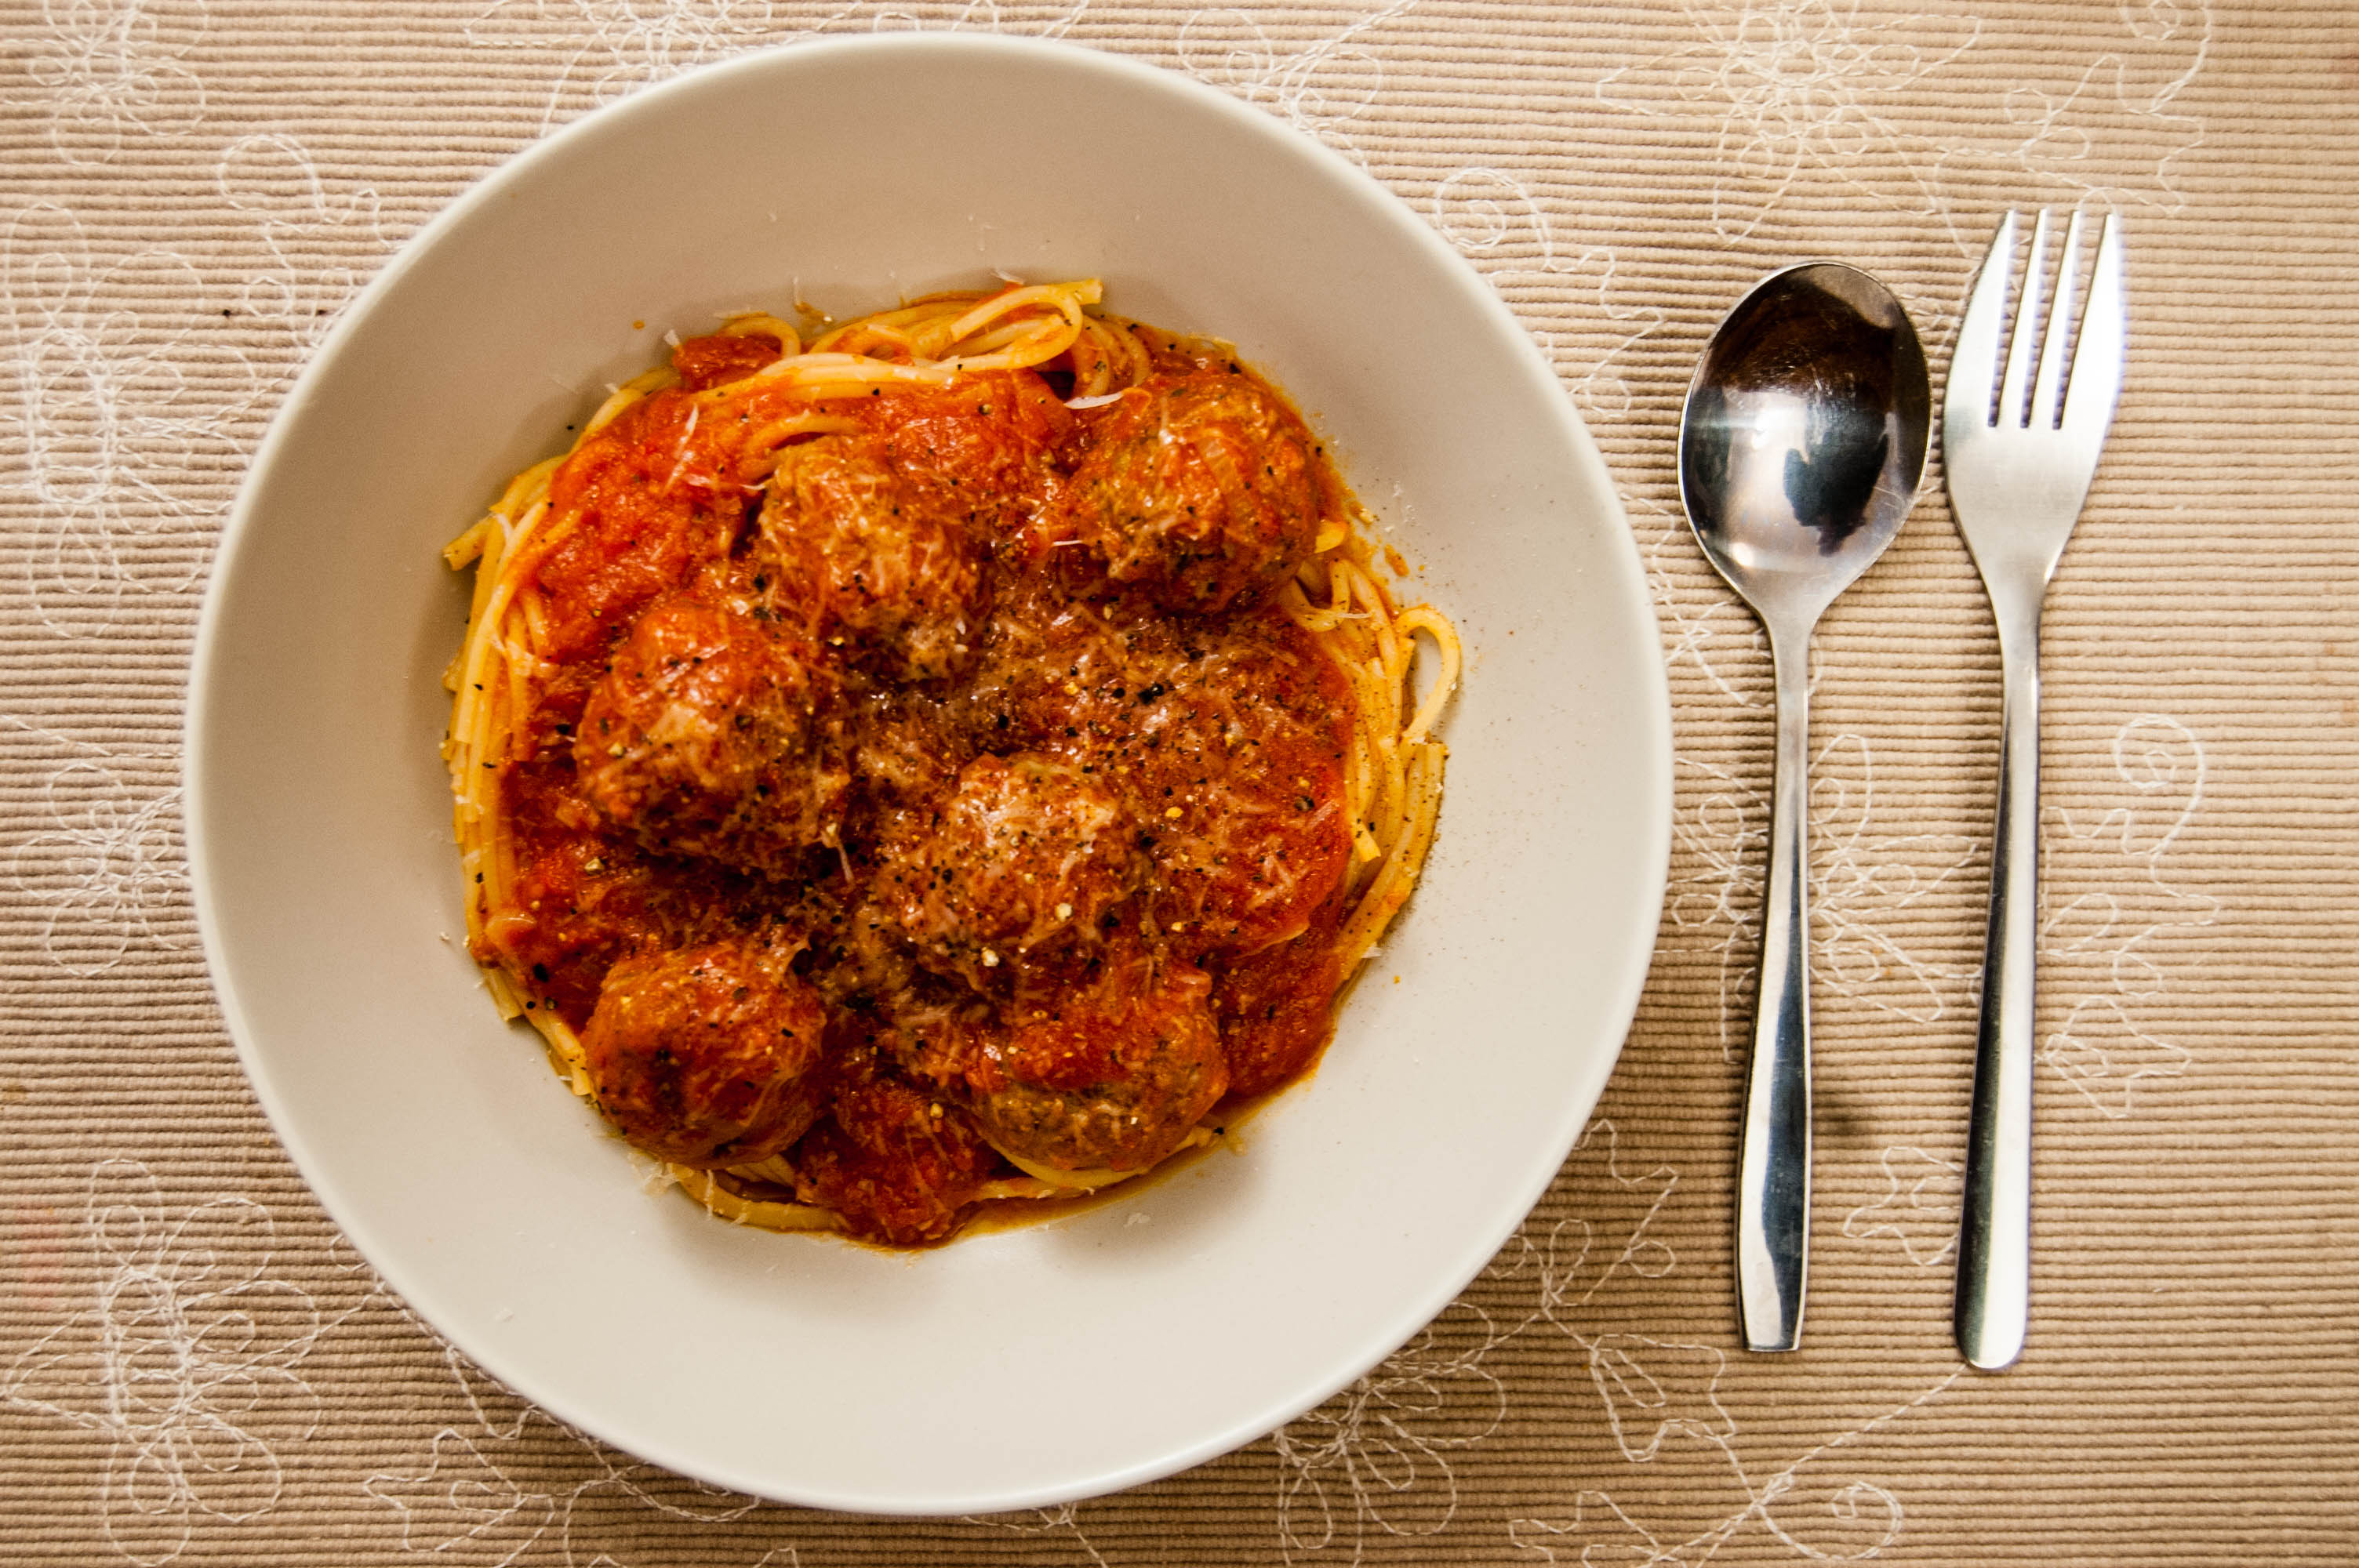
(646, 502)
(1078, 877)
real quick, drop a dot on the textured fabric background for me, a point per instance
(195, 1369)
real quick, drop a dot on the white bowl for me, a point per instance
(1015, 1369)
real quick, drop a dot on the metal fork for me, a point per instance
(2017, 477)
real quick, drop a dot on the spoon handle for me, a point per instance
(1993, 1302)
(1773, 1181)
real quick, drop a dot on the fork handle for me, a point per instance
(1772, 1177)
(1994, 1301)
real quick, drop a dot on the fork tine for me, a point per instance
(2046, 390)
(1973, 361)
(2025, 333)
(2105, 339)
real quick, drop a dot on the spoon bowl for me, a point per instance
(1800, 450)
(1804, 437)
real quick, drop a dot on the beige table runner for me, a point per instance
(195, 1369)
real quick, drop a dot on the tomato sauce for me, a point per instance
(1138, 924)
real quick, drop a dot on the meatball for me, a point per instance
(987, 447)
(710, 735)
(900, 1166)
(1197, 488)
(1025, 858)
(707, 1055)
(1243, 753)
(868, 563)
(1113, 1075)
(1223, 739)
(1277, 1006)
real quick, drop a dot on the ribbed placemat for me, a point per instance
(195, 1369)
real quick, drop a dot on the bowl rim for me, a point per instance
(238, 532)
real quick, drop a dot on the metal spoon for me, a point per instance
(1800, 448)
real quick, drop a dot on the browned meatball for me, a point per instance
(869, 564)
(1113, 1075)
(986, 447)
(1277, 1006)
(1199, 489)
(707, 1055)
(1026, 858)
(709, 736)
(899, 1163)
(1224, 740)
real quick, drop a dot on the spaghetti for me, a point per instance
(958, 758)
